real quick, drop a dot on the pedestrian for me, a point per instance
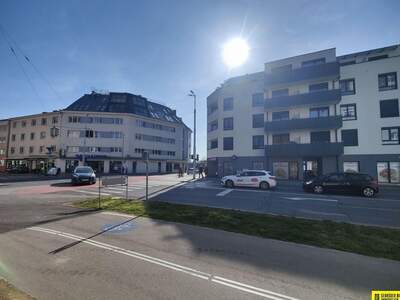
(201, 172)
(180, 172)
(206, 171)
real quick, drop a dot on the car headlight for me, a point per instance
(309, 182)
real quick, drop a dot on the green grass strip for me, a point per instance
(366, 240)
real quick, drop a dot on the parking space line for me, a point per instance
(225, 192)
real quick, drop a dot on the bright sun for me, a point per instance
(235, 52)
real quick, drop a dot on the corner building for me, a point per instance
(314, 112)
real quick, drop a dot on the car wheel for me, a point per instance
(368, 192)
(318, 189)
(264, 185)
(229, 184)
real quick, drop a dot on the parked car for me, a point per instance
(190, 171)
(83, 175)
(357, 183)
(18, 169)
(250, 178)
(53, 171)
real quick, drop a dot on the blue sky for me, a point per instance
(162, 49)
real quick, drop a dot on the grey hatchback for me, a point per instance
(83, 175)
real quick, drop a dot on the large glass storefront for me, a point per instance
(286, 169)
(388, 171)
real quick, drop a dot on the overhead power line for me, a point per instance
(11, 42)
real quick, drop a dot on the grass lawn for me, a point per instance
(366, 240)
(9, 292)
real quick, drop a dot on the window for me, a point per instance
(280, 115)
(258, 165)
(14, 124)
(320, 136)
(212, 107)
(258, 100)
(258, 121)
(347, 86)
(43, 135)
(318, 87)
(12, 150)
(13, 137)
(387, 81)
(44, 121)
(313, 62)
(334, 177)
(372, 58)
(351, 166)
(22, 136)
(41, 148)
(23, 123)
(348, 112)
(390, 135)
(279, 93)
(228, 143)
(319, 112)
(389, 108)
(21, 150)
(258, 141)
(213, 125)
(33, 122)
(388, 171)
(228, 104)
(213, 144)
(228, 123)
(32, 135)
(31, 149)
(285, 68)
(346, 63)
(280, 138)
(54, 120)
(350, 137)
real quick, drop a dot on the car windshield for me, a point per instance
(83, 170)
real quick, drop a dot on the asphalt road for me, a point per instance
(75, 258)
(54, 251)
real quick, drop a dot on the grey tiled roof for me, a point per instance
(124, 103)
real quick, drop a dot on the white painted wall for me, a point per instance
(367, 98)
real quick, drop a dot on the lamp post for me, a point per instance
(192, 94)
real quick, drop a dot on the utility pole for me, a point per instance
(192, 94)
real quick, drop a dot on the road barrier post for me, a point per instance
(99, 192)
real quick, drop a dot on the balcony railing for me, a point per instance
(302, 150)
(319, 97)
(333, 122)
(305, 73)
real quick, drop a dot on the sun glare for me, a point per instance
(235, 52)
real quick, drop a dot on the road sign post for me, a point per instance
(146, 159)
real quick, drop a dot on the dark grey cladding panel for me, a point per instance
(332, 122)
(331, 69)
(300, 150)
(320, 97)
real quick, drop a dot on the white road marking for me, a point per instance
(170, 265)
(321, 213)
(90, 192)
(225, 192)
(314, 199)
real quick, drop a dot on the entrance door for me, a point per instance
(311, 168)
(159, 167)
(134, 166)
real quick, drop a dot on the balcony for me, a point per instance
(333, 122)
(306, 73)
(320, 97)
(301, 150)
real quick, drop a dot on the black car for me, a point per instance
(356, 183)
(83, 175)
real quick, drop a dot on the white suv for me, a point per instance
(250, 178)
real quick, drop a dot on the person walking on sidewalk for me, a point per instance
(201, 172)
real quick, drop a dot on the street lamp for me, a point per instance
(192, 94)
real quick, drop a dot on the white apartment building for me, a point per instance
(109, 132)
(314, 112)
